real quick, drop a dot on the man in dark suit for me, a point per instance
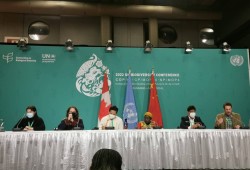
(191, 121)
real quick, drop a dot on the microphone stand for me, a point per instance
(242, 125)
(77, 127)
(17, 129)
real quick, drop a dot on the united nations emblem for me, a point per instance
(130, 111)
(236, 60)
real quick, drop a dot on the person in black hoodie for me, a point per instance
(31, 121)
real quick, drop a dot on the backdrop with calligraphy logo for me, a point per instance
(52, 79)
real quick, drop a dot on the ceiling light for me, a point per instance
(188, 48)
(226, 48)
(69, 45)
(109, 46)
(204, 40)
(148, 47)
(22, 44)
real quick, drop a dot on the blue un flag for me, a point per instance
(130, 112)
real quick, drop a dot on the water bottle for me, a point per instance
(125, 124)
(1, 125)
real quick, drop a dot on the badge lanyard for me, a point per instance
(30, 125)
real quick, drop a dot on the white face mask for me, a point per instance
(111, 116)
(192, 115)
(30, 114)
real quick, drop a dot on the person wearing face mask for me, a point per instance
(31, 121)
(72, 120)
(147, 123)
(112, 121)
(191, 121)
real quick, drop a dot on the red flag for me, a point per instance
(154, 104)
(105, 100)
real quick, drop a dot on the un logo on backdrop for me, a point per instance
(130, 109)
(90, 77)
(236, 60)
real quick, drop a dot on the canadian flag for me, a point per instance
(105, 100)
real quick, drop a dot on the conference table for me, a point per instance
(140, 149)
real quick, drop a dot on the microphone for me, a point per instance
(109, 127)
(77, 127)
(125, 123)
(16, 129)
(242, 125)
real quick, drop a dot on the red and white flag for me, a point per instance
(154, 104)
(105, 100)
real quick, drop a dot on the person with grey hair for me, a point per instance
(106, 159)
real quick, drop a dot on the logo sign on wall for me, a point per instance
(236, 60)
(45, 58)
(90, 77)
(8, 57)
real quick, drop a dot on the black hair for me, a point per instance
(33, 108)
(77, 113)
(114, 108)
(191, 107)
(106, 159)
(227, 104)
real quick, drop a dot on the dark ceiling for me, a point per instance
(227, 29)
(211, 5)
(232, 25)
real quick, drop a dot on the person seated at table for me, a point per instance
(111, 121)
(72, 120)
(191, 121)
(228, 119)
(30, 122)
(106, 159)
(147, 123)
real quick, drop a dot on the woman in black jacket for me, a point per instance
(72, 120)
(31, 121)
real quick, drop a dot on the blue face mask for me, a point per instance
(30, 115)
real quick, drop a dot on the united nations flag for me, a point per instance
(130, 112)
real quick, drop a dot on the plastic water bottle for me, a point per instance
(1, 125)
(125, 124)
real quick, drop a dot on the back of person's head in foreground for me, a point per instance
(106, 159)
